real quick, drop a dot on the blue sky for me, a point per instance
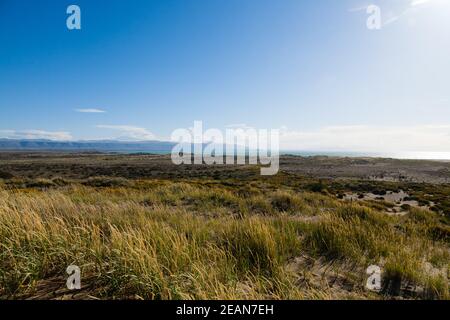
(311, 68)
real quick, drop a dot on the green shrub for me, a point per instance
(102, 182)
(6, 175)
(40, 183)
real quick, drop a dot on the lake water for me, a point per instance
(394, 155)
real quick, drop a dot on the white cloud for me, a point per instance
(90, 110)
(36, 134)
(415, 3)
(130, 132)
(361, 138)
(366, 139)
(242, 126)
(358, 9)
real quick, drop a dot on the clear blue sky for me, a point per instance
(154, 66)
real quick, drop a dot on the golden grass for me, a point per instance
(170, 240)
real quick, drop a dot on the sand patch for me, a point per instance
(401, 200)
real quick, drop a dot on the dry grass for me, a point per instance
(166, 240)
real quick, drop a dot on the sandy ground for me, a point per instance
(398, 199)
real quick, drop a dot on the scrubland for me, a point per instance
(216, 237)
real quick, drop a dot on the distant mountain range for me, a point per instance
(158, 147)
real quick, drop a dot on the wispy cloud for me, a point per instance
(416, 3)
(238, 126)
(129, 132)
(36, 134)
(358, 9)
(412, 5)
(90, 110)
